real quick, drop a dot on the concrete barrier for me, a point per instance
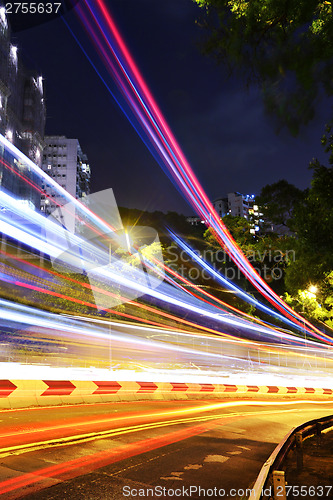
(26, 393)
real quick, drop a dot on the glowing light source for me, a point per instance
(13, 54)
(9, 135)
(3, 18)
(40, 84)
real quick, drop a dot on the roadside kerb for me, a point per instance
(27, 393)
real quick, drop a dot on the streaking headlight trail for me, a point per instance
(140, 107)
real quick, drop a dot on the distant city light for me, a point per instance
(40, 84)
(3, 18)
(9, 135)
(13, 54)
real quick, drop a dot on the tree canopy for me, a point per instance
(277, 202)
(285, 46)
(314, 215)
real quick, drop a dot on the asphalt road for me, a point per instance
(154, 449)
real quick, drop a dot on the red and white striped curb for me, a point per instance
(63, 388)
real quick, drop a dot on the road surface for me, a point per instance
(152, 449)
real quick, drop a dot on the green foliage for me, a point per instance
(270, 254)
(313, 224)
(314, 217)
(318, 306)
(239, 227)
(284, 46)
(307, 269)
(158, 220)
(277, 202)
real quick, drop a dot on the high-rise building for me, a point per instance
(64, 161)
(22, 118)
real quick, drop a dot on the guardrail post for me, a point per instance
(279, 485)
(299, 450)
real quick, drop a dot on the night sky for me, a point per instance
(222, 128)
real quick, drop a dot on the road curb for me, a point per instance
(26, 393)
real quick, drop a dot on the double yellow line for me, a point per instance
(83, 438)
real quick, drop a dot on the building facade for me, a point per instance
(64, 161)
(221, 206)
(239, 204)
(22, 119)
(244, 205)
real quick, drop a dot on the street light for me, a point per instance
(313, 289)
(128, 242)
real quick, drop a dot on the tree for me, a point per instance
(239, 227)
(270, 254)
(313, 218)
(313, 224)
(277, 202)
(284, 46)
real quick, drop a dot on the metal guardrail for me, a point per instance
(280, 453)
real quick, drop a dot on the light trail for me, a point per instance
(22, 227)
(24, 315)
(133, 280)
(106, 38)
(160, 352)
(151, 309)
(226, 283)
(64, 434)
(104, 227)
(74, 468)
(192, 421)
(62, 239)
(26, 226)
(138, 305)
